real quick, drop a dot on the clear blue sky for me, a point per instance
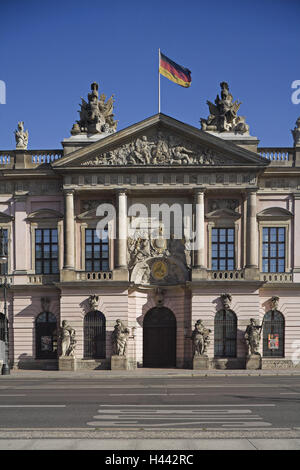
(51, 51)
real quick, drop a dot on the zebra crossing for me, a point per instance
(196, 417)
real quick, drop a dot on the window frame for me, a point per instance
(275, 224)
(93, 244)
(275, 242)
(43, 259)
(226, 243)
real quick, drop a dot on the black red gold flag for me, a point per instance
(174, 72)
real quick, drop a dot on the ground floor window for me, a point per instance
(46, 336)
(94, 335)
(225, 333)
(2, 327)
(273, 334)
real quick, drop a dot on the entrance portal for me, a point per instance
(159, 338)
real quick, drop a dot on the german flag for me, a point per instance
(174, 72)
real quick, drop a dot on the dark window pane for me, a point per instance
(96, 250)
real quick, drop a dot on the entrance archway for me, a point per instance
(159, 338)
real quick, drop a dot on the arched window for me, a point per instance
(94, 335)
(273, 334)
(225, 333)
(46, 336)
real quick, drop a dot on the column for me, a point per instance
(251, 236)
(122, 230)
(295, 242)
(69, 230)
(21, 246)
(199, 250)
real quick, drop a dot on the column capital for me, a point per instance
(69, 192)
(120, 191)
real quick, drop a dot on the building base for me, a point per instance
(253, 362)
(200, 363)
(67, 363)
(119, 363)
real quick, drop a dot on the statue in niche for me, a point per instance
(68, 339)
(120, 338)
(200, 338)
(253, 336)
(21, 136)
(223, 114)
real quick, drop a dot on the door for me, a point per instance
(46, 336)
(159, 338)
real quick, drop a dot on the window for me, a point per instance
(223, 249)
(4, 267)
(225, 333)
(46, 336)
(94, 335)
(96, 250)
(273, 334)
(2, 326)
(46, 251)
(273, 250)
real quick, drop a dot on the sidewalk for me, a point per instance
(151, 373)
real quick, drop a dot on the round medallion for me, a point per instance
(159, 270)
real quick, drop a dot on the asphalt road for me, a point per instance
(270, 404)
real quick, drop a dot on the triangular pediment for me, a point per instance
(160, 141)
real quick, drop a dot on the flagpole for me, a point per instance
(158, 81)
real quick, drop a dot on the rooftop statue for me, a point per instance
(96, 115)
(223, 114)
(21, 136)
(296, 132)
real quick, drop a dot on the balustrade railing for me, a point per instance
(94, 276)
(276, 277)
(226, 275)
(31, 157)
(276, 154)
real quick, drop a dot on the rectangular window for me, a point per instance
(96, 250)
(273, 250)
(4, 267)
(223, 249)
(46, 251)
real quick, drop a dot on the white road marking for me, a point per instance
(290, 393)
(178, 416)
(33, 406)
(10, 395)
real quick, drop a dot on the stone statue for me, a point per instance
(119, 338)
(96, 115)
(93, 302)
(252, 336)
(200, 338)
(68, 340)
(296, 133)
(223, 114)
(21, 136)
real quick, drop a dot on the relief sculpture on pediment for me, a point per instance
(159, 149)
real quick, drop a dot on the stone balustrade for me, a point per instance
(276, 277)
(226, 275)
(277, 154)
(40, 279)
(94, 276)
(28, 158)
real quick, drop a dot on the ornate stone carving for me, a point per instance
(21, 136)
(96, 115)
(226, 300)
(120, 338)
(68, 340)
(216, 204)
(45, 303)
(159, 297)
(274, 302)
(159, 149)
(252, 336)
(93, 302)
(200, 338)
(223, 114)
(296, 133)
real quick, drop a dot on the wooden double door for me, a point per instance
(159, 338)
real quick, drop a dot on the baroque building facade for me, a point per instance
(242, 201)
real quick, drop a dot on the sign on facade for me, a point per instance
(273, 341)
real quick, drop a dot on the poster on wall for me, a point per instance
(273, 341)
(46, 343)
